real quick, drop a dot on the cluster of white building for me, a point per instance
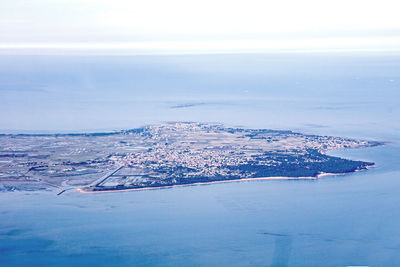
(208, 150)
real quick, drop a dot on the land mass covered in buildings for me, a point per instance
(171, 154)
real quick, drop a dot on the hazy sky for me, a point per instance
(207, 25)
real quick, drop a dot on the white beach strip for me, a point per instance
(81, 190)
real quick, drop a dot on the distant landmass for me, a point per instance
(171, 154)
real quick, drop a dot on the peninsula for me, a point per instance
(171, 154)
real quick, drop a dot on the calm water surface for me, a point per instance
(334, 221)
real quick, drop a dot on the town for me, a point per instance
(169, 154)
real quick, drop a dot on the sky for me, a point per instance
(187, 26)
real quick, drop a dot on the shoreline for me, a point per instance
(319, 176)
(80, 190)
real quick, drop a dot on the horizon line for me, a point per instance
(391, 44)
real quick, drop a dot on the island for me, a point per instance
(168, 155)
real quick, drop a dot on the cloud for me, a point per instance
(259, 23)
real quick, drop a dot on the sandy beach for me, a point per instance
(80, 190)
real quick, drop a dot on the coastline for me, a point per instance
(80, 190)
(83, 191)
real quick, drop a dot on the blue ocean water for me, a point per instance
(335, 221)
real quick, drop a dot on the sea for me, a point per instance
(342, 220)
